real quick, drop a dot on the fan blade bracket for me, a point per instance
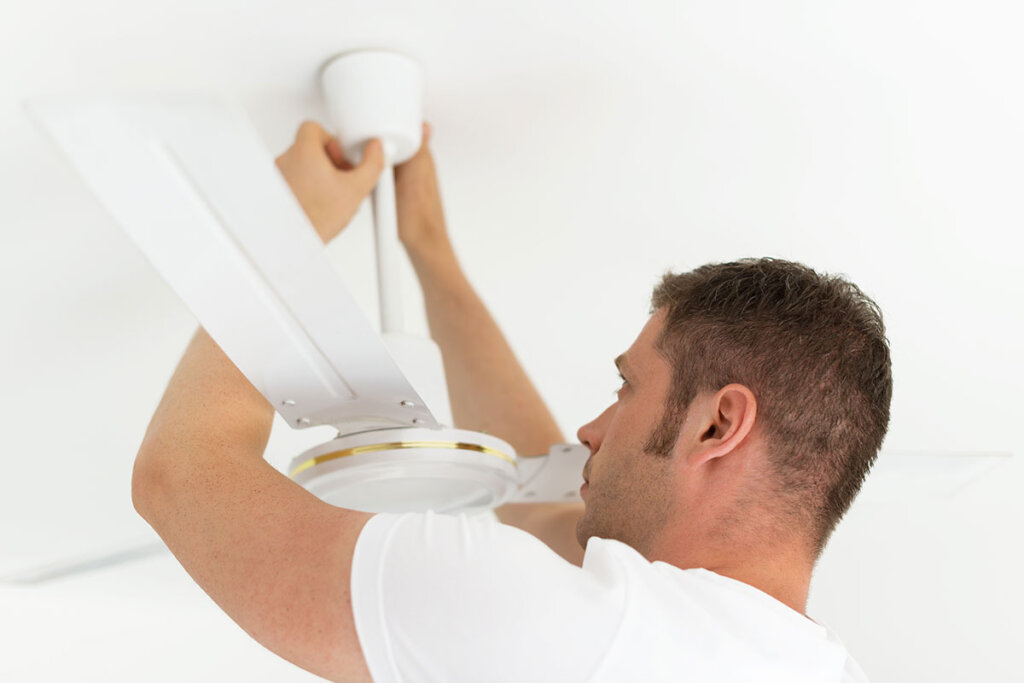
(552, 478)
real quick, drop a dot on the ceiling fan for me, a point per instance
(190, 181)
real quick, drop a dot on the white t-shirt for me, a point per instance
(453, 598)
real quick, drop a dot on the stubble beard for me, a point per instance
(630, 507)
(630, 515)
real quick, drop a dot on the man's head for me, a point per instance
(756, 399)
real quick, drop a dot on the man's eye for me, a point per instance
(624, 384)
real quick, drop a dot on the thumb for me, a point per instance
(369, 169)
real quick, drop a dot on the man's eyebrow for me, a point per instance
(620, 362)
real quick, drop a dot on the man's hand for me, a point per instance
(421, 224)
(327, 185)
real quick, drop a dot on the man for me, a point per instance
(753, 404)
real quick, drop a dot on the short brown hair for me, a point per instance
(813, 351)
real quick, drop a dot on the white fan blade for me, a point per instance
(193, 185)
(552, 478)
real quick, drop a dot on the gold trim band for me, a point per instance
(356, 450)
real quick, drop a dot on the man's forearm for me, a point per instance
(490, 391)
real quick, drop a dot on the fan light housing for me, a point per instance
(407, 470)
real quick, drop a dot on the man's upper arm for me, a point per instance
(274, 557)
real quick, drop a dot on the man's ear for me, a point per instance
(723, 423)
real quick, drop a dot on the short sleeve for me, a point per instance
(453, 598)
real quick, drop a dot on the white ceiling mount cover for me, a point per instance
(414, 470)
(191, 182)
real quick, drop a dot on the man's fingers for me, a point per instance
(337, 156)
(311, 131)
(312, 135)
(425, 140)
(312, 138)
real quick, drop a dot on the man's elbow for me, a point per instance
(147, 482)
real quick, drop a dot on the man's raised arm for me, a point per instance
(489, 390)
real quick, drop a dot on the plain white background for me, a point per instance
(584, 148)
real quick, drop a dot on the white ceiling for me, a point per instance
(583, 148)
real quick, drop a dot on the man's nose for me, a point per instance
(592, 433)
